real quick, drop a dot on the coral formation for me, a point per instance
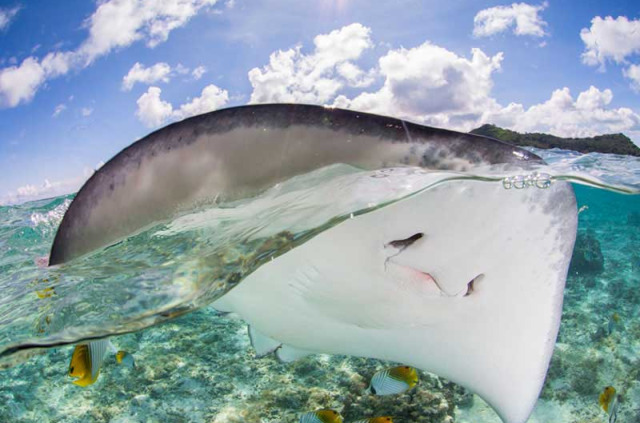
(587, 256)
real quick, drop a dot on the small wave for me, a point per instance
(51, 218)
(610, 171)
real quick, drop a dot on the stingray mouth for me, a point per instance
(407, 275)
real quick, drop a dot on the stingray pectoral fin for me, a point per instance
(262, 344)
(289, 354)
(496, 339)
(236, 153)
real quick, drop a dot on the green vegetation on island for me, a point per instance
(609, 143)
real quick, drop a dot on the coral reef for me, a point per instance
(587, 256)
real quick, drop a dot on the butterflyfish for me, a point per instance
(46, 293)
(614, 322)
(321, 416)
(87, 360)
(385, 419)
(123, 357)
(395, 380)
(607, 397)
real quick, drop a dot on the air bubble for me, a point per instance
(519, 182)
(543, 180)
(538, 180)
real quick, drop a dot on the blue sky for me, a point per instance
(571, 68)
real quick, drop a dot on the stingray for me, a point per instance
(464, 279)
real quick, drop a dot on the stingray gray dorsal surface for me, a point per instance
(237, 152)
(464, 279)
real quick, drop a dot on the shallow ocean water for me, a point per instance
(200, 367)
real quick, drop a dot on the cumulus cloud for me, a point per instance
(138, 73)
(47, 189)
(522, 17)
(562, 115)
(613, 40)
(633, 73)
(610, 39)
(118, 23)
(19, 83)
(86, 111)
(153, 111)
(7, 15)
(114, 25)
(433, 85)
(211, 98)
(292, 76)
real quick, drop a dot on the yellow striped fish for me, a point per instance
(321, 416)
(123, 357)
(87, 360)
(385, 419)
(395, 380)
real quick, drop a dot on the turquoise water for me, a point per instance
(200, 367)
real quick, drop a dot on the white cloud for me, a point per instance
(138, 73)
(19, 83)
(7, 15)
(292, 76)
(153, 111)
(355, 76)
(211, 98)
(610, 39)
(47, 189)
(86, 111)
(522, 17)
(181, 69)
(115, 24)
(118, 23)
(564, 116)
(59, 109)
(433, 85)
(633, 73)
(198, 72)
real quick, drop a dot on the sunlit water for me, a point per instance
(199, 367)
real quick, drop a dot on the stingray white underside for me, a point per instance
(476, 299)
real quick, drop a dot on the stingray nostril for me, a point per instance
(473, 284)
(401, 244)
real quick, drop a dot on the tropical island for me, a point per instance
(608, 143)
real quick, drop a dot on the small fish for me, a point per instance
(123, 357)
(384, 419)
(87, 360)
(46, 293)
(321, 416)
(607, 397)
(614, 321)
(395, 380)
